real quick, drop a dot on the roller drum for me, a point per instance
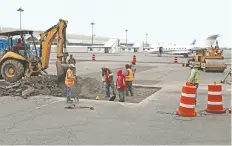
(215, 65)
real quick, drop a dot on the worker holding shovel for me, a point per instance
(107, 79)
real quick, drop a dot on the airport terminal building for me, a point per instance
(83, 43)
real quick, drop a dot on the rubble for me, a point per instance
(47, 85)
(85, 88)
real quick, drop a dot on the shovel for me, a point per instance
(112, 98)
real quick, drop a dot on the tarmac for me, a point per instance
(44, 120)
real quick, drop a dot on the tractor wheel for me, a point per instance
(12, 70)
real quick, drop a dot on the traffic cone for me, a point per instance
(214, 103)
(97, 98)
(134, 59)
(175, 59)
(93, 57)
(187, 102)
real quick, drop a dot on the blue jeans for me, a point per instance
(129, 88)
(196, 85)
(107, 86)
(68, 92)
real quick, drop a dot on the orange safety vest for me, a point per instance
(69, 82)
(130, 77)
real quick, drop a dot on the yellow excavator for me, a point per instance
(18, 61)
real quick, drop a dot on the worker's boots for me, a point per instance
(69, 100)
(122, 99)
(121, 96)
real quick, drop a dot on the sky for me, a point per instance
(169, 21)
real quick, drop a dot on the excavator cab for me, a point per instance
(15, 58)
(17, 43)
(19, 61)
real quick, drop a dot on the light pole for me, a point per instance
(126, 37)
(20, 10)
(92, 23)
(146, 39)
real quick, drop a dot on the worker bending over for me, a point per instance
(194, 76)
(71, 60)
(121, 85)
(107, 79)
(69, 81)
(132, 66)
(129, 80)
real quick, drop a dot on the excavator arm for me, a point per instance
(57, 31)
(46, 38)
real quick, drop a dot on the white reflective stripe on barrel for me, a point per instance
(189, 95)
(214, 93)
(214, 103)
(187, 105)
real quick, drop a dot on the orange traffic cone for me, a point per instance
(214, 104)
(187, 102)
(175, 59)
(93, 57)
(134, 59)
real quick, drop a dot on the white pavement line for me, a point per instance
(37, 107)
(48, 104)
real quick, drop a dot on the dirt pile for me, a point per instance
(47, 85)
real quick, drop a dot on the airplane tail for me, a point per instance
(211, 40)
(194, 42)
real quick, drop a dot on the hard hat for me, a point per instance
(106, 67)
(71, 65)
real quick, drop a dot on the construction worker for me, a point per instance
(121, 85)
(132, 66)
(129, 80)
(69, 81)
(107, 79)
(194, 76)
(71, 60)
(19, 43)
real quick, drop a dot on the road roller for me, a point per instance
(210, 60)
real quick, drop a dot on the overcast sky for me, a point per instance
(174, 21)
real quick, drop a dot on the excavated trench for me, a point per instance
(86, 88)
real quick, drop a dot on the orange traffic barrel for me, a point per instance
(93, 57)
(214, 103)
(175, 59)
(187, 102)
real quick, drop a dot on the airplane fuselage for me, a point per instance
(173, 50)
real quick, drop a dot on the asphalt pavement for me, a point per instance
(44, 120)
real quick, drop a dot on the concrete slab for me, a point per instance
(44, 120)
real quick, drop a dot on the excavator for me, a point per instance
(17, 61)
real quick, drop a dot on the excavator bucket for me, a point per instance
(61, 73)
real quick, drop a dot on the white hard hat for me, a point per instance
(71, 65)
(106, 67)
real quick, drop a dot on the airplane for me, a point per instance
(184, 50)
